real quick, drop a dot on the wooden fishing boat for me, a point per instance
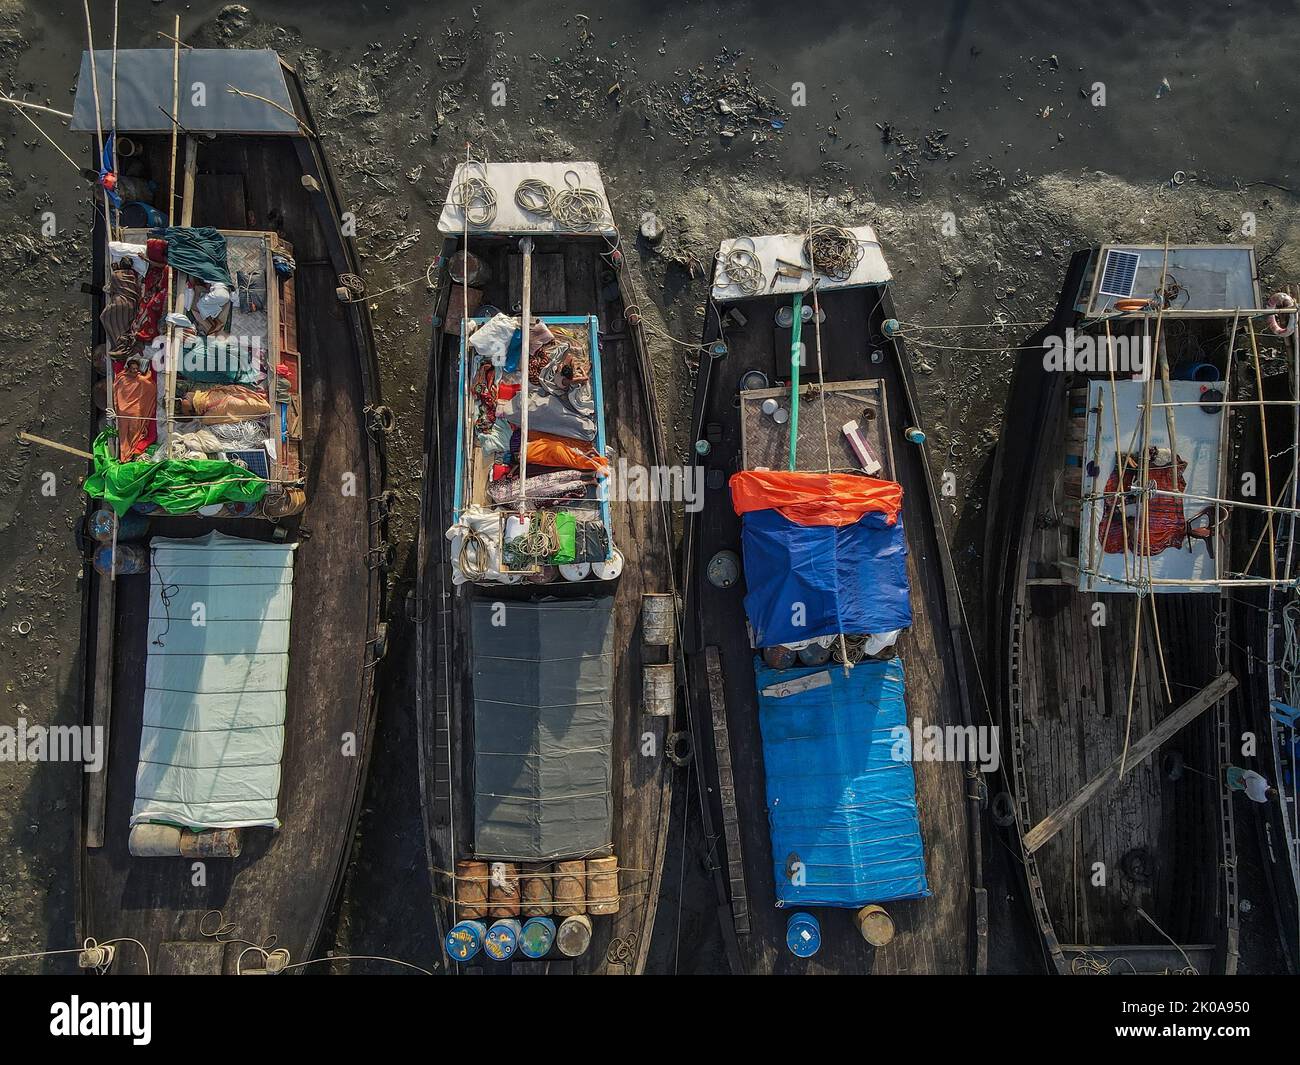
(1112, 616)
(545, 702)
(1265, 615)
(827, 830)
(231, 668)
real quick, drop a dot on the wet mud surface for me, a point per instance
(968, 135)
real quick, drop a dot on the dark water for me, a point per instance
(981, 100)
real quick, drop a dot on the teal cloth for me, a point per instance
(199, 252)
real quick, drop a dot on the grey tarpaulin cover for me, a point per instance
(144, 83)
(543, 725)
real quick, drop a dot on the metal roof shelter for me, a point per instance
(144, 91)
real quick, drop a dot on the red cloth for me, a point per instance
(1166, 519)
(153, 305)
(810, 498)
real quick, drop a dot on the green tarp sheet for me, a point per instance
(179, 486)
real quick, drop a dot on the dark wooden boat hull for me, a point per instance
(568, 280)
(284, 884)
(1061, 686)
(947, 932)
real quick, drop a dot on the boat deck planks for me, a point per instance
(934, 935)
(284, 882)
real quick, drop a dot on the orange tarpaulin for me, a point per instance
(811, 498)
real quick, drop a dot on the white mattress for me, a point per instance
(214, 701)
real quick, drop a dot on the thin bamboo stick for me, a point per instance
(1263, 433)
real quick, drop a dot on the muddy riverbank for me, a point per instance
(719, 118)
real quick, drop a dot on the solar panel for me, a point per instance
(254, 461)
(1118, 274)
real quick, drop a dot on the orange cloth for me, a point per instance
(135, 398)
(545, 449)
(810, 498)
(226, 403)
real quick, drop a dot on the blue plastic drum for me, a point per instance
(803, 935)
(502, 939)
(537, 937)
(465, 940)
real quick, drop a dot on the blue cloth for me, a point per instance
(515, 351)
(848, 578)
(841, 794)
(106, 168)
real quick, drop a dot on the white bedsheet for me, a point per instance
(215, 681)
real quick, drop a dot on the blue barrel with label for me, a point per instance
(537, 937)
(502, 939)
(803, 935)
(465, 940)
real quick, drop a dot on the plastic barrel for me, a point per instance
(574, 935)
(875, 924)
(502, 939)
(537, 937)
(130, 559)
(803, 935)
(130, 526)
(465, 940)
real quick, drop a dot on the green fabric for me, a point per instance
(179, 486)
(566, 533)
(202, 359)
(199, 252)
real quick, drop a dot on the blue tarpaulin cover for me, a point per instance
(840, 804)
(849, 578)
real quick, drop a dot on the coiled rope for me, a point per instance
(742, 267)
(835, 251)
(476, 199)
(572, 207)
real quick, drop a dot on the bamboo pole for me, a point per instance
(1120, 463)
(1263, 433)
(1295, 447)
(169, 389)
(525, 324)
(24, 105)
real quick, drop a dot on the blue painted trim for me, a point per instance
(599, 397)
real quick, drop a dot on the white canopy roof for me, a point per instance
(510, 218)
(788, 247)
